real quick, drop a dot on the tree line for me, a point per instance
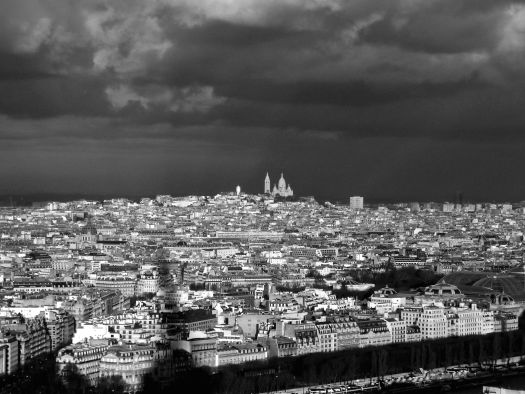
(351, 364)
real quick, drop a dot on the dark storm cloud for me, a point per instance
(441, 27)
(434, 33)
(290, 83)
(180, 61)
(50, 96)
(358, 93)
(24, 66)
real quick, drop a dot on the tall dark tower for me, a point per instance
(459, 197)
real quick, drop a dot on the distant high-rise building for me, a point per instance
(448, 207)
(356, 202)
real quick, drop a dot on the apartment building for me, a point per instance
(8, 353)
(82, 358)
(373, 332)
(241, 353)
(130, 362)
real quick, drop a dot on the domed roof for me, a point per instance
(237, 329)
(385, 291)
(501, 299)
(443, 289)
(282, 182)
(462, 278)
(502, 284)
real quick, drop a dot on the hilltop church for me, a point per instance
(281, 189)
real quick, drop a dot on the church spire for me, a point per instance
(267, 184)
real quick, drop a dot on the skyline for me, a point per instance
(393, 100)
(456, 196)
(22, 199)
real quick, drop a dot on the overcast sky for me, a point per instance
(392, 99)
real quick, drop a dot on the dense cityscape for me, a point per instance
(133, 290)
(246, 196)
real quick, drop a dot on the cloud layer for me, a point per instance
(233, 73)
